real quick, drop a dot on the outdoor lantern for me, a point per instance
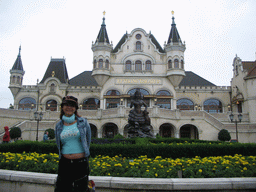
(40, 116)
(240, 116)
(231, 116)
(36, 115)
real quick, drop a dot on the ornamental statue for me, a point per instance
(139, 121)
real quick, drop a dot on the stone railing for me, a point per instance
(18, 181)
(214, 88)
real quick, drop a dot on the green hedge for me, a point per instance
(142, 147)
(29, 146)
(173, 151)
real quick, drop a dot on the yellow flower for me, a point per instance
(156, 175)
(200, 170)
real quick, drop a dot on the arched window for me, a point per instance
(148, 65)
(138, 65)
(163, 102)
(185, 104)
(91, 104)
(27, 103)
(52, 88)
(113, 93)
(169, 64)
(94, 64)
(18, 80)
(143, 92)
(164, 92)
(128, 65)
(182, 64)
(213, 106)
(176, 63)
(113, 102)
(100, 63)
(51, 105)
(13, 79)
(107, 64)
(138, 45)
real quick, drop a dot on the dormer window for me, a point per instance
(148, 65)
(107, 64)
(101, 63)
(128, 65)
(176, 63)
(169, 64)
(138, 36)
(52, 88)
(138, 46)
(182, 64)
(138, 65)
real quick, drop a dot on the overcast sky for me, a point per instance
(214, 32)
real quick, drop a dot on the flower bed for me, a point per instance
(207, 167)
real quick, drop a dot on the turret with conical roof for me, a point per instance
(101, 55)
(175, 55)
(17, 74)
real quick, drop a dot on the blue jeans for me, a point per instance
(72, 175)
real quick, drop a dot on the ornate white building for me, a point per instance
(181, 103)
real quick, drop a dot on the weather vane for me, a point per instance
(172, 12)
(104, 13)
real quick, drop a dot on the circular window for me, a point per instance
(138, 36)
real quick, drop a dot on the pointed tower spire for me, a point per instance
(174, 36)
(17, 74)
(175, 55)
(103, 35)
(101, 55)
(18, 63)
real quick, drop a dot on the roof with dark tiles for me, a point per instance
(250, 66)
(83, 79)
(59, 68)
(174, 34)
(18, 63)
(120, 43)
(191, 79)
(158, 46)
(103, 35)
(125, 36)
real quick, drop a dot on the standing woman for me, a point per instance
(6, 138)
(73, 138)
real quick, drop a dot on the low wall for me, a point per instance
(19, 181)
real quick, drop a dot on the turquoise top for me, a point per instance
(71, 140)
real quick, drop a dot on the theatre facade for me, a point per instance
(181, 104)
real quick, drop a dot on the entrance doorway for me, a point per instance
(189, 131)
(166, 130)
(109, 130)
(94, 131)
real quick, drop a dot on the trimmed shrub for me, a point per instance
(224, 135)
(15, 133)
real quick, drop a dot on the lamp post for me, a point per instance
(239, 116)
(38, 117)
